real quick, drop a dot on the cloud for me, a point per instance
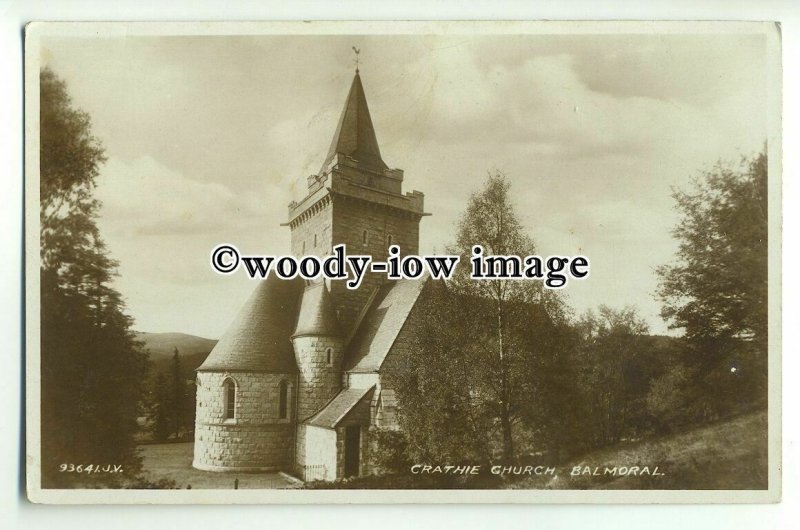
(162, 225)
(144, 197)
(545, 106)
(207, 137)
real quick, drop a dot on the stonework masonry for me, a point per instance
(319, 381)
(256, 439)
(352, 218)
(365, 227)
(314, 227)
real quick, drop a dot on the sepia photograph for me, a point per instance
(403, 262)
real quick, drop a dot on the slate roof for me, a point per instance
(381, 324)
(355, 134)
(335, 411)
(317, 316)
(259, 338)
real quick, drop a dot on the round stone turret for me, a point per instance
(318, 345)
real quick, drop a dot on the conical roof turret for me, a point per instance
(317, 315)
(258, 340)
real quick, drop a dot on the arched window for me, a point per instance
(283, 400)
(230, 399)
(364, 238)
(329, 356)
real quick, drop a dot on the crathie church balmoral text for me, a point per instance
(306, 369)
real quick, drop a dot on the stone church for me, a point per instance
(305, 370)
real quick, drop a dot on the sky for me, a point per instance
(208, 138)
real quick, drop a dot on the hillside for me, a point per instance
(193, 351)
(162, 345)
(730, 454)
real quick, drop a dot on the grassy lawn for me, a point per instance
(174, 462)
(729, 454)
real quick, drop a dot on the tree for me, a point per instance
(611, 342)
(178, 400)
(666, 401)
(162, 421)
(717, 288)
(92, 366)
(443, 416)
(504, 308)
(480, 342)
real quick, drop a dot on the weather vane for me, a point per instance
(357, 50)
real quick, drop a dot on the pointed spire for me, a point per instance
(355, 135)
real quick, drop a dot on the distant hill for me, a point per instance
(193, 350)
(163, 344)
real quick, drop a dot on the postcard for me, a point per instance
(414, 262)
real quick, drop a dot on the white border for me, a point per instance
(18, 513)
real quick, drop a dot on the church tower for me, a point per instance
(357, 200)
(274, 393)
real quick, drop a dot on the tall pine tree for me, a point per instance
(92, 367)
(178, 394)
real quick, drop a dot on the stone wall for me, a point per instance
(318, 381)
(316, 225)
(351, 217)
(256, 439)
(362, 380)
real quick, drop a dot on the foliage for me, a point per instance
(443, 417)
(717, 288)
(606, 360)
(477, 362)
(666, 400)
(92, 367)
(390, 450)
(172, 401)
(178, 401)
(161, 410)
